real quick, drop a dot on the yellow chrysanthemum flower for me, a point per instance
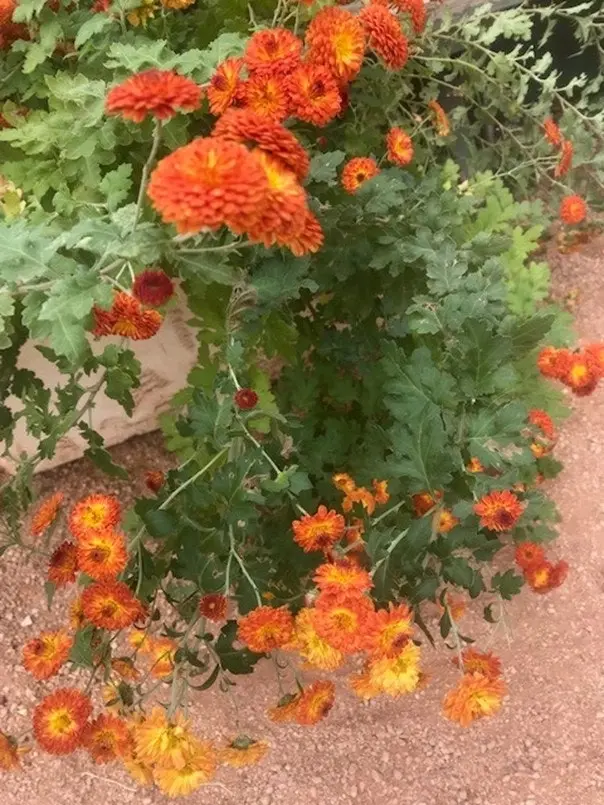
(161, 741)
(399, 674)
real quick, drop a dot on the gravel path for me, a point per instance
(545, 748)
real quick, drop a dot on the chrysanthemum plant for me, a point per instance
(347, 201)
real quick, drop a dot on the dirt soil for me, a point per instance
(544, 748)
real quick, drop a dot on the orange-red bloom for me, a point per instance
(544, 577)
(160, 93)
(529, 554)
(107, 738)
(267, 95)
(385, 36)
(214, 607)
(499, 510)
(315, 702)
(309, 644)
(552, 133)
(207, 184)
(154, 480)
(423, 502)
(344, 575)
(245, 399)
(246, 126)
(416, 9)
(581, 374)
(380, 492)
(94, 514)
(46, 513)
(225, 86)
(308, 241)
(474, 661)
(475, 696)
(596, 354)
(359, 495)
(153, 287)
(343, 482)
(314, 94)
(357, 171)
(573, 210)
(390, 630)
(441, 120)
(475, 465)
(542, 420)
(285, 710)
(284, 209)
(63, 564)
(59, 720)
(320, 531)
(336, 40)
(266, 628)
(566, 159)
(126, 318)
(102, 556)
(398, 673)
(446, 521)
(7, 8)
(554, 362)
(110, 605)
(400, 147)
(344, 620)
(274, 50)
(44, 655)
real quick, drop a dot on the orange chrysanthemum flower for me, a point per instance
(553, 362)
(286, 709)
(318, 532)
(126, 318)
(456, 606)
(284, 209)
(59, 720)
(162, 741)
(399, 147)
(154, 480)
(476, 696)
(46, 513)
(7, 8)
(390, 630)
(475, 465)
(476, 662)
(542, 420)
(307, 642)
(396, 674)
(343, 482)
(595, 352)
(362, 685)
(267, 95)
(344, 575)
(552, 133)
(573, 210)
(207, 184)
(214, 607)
(344, 620)
(544, 577)
(380, 492)
(359, 495)
(111, 605)
(160, 93)
(446, 521)
(162, 653)
(539, 450)
(275, 50)
(385, 36)
(124, 667)
(314, 94)
(44, 655)
(198, 769)
(63, 564)
(9, 753)
(308, 241)
(416, 9)
(107, 738)
(153, 287)
(266, 628)
(441, 120)
(94, 514)
(581, 374)
(499, 510)
(315, 702)
(529, 554)
(424, 502)
(225, 86)
(102, 556)
(357, 171)
(77, 619)
(140, 772)
(246, 126)
(565, 162)
(336, 40)
(243, 751)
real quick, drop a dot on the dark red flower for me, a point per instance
(153, 287)
(246, 399)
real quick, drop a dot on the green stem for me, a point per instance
(391, 510)
(235, 555)
(146, 170)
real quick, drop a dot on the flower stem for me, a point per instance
(146, 170)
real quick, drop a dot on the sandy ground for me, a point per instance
(545, 748)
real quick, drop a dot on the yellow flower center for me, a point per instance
(61, 722)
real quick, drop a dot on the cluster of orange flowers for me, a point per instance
(127, 318)
(573, 208)
(545, 432)
(540, 574)
(580, 370)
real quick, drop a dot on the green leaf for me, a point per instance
(94, 25)
(81, 651)
(507, 584)
(102, 459)
(281, 278)
(445, 624)
(324, 167)
(458, 571)
(116, 184)
(488, 614)
(237, 661)
(159, 523)
(27, 9)
(49, 590)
